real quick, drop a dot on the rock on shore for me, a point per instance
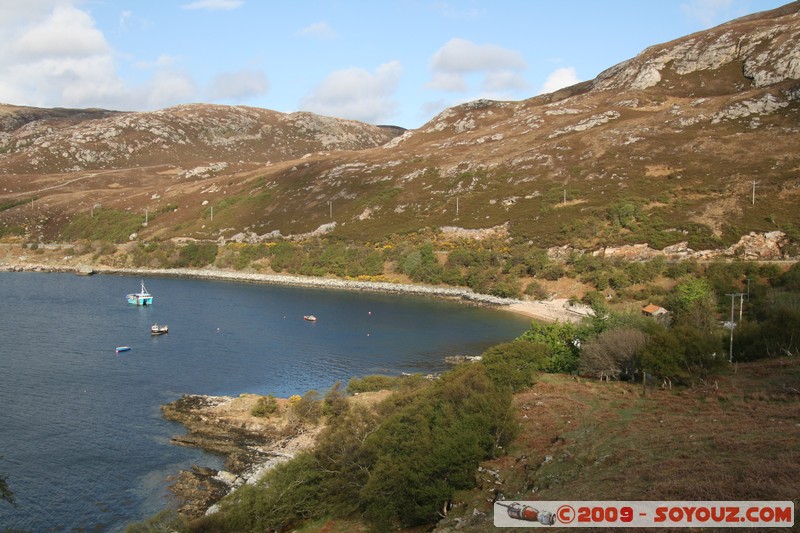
(224, 425)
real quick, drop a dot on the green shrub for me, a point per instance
(515, 364)
(536, 290)
(308, 408)
(106, 225)
(335, 403)
(265, 406)
(197, 255)
(429, 448)
(375, 383)
(561, 342)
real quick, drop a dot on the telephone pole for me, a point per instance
(732, 324)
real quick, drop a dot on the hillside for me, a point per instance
(736, 438)
(692, 141)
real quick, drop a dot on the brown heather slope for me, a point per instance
(674, 138)
(738, 438)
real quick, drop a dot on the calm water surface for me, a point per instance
(82, 441)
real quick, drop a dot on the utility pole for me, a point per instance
(456, 205)
(330, 208)
(741, 305)
(732, 324)
(565, 196)
(212, 213)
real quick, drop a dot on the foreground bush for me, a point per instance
(396, 466)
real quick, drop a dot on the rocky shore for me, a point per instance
(250, 444)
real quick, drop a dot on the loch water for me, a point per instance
(83, 445)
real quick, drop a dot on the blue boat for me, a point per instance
(123, 349)
(140, 298)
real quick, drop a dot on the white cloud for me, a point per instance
(321, 30)
(357, 94)
(560, 78)
(449, 82)
(460, 58)
(53, 55)
(238, 85)
(167, 87)
(67, 32)
(504, 80)
(706, 12)
(214, 5)
(163, 61)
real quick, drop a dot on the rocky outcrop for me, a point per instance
(763, 246)
(770, 246)
(224, 425)
(712, 50)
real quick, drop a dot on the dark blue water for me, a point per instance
(82, 440)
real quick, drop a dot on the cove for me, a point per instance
(82, 440)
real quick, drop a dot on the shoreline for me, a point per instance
(543, 310)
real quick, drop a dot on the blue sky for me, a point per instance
(379, 61)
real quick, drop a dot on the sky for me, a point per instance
(396, 62)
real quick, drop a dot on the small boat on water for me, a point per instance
(155, 329)
(123, 349)
(140, 298)
(310, 318)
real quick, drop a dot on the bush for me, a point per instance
(378, 383)
(515, 364)
(505, 289)
(285, 496)
(614, 353)
(265, 406)
(429, 448)
(537, 290)
(683, 354)
(398, 472)
(335, 402)
(308, 408)
(196, 255)
(553, 272)
(561, 342)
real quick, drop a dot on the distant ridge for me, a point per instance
(690, 141)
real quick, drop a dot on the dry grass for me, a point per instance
(736, 437)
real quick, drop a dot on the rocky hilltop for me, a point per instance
(690, 143)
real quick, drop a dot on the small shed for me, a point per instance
(655, 311)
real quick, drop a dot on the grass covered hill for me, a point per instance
(692, 141)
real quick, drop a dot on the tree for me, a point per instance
(561, 342)
(514, 364)
(683, 353)
(429, 447)
(613, 354)
(694, 304)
